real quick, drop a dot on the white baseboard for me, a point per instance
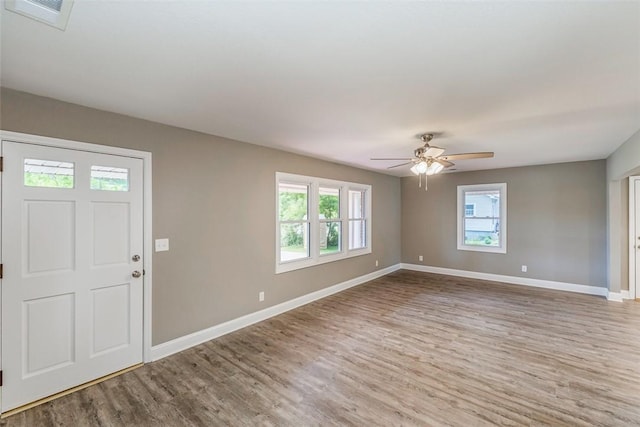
(615, 296)
(515, 280)
(182, 343)
(618, 296)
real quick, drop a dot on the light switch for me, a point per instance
(162, 245)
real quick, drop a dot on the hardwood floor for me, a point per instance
(406, 349)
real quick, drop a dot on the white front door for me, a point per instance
(72, 233)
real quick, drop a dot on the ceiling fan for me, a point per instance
(429, 159)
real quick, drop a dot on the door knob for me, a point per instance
(136, 274)
(135, 258)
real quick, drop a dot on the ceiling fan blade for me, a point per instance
(391, 158)
(433, 151)
(445, 163)
(401, 164)
(464, 156)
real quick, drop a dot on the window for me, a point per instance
(357, 221)
(482, 218)
(293, 200)
(330, 220)
(109, 178)
(48, 173)
(320, 220)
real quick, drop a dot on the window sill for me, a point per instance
(488, 249)
(287, 266)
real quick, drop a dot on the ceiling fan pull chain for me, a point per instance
(419, 180)
(425, 182)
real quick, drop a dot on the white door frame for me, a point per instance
(147, 214)
(633, 233)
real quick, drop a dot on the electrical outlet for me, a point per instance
(376, 263)
(524, 268)
(420, 258)
(162, 245)
(261, 296)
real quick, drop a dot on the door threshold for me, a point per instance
(68, 391)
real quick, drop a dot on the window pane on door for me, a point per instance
(109, 178)
(294, 241)
(48, 173)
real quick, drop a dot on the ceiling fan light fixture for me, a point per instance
(434, 168)
(421, 167)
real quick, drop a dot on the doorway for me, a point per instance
(74, 288)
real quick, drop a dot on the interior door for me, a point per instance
(72, 291)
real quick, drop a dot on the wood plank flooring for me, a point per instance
(406, 349)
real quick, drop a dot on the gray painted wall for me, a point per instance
(556, 219)
(214, 199)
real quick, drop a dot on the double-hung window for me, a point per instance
(320, 220)
(293, 216)
(330, 220)
(357, 219)
(482, 217)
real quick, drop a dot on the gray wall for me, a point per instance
(556, 219)
(214, 199)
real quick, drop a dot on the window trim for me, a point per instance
(314, 185)
(462, 189)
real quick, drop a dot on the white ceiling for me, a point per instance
(535, 82)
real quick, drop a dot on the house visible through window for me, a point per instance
(320, 221)
(470, 210)
(482, 214)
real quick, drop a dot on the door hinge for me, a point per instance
(1, 164)
(1, 271)
(0, 378)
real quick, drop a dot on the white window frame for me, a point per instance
(314, 184)
(462, 190)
